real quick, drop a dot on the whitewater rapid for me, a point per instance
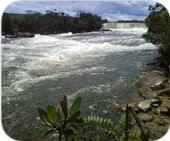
(36, 59)
(102, 67)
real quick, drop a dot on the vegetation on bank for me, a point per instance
(158, 23)
(51, 22)
(130, 21)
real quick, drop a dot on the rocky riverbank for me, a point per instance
(154, 109)
(19, 34)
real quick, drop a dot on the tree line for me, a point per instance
(51, 22)
(158, 23)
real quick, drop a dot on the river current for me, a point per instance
(102, 67)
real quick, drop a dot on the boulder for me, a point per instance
(166, 120)
(134, 106)
(157, 111)
(144, 91)
(165, 106)
(21, 34)
(151, 124)
(151, 95)
(152, 79)
(155, 104)
(25, 34)
(159, 121)
(145, 105)
(121, 108)
(144, 117)
(166, 85)
(164, 92)
(11, 36)
(158, 131)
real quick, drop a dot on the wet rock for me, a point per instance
(163, 98)
(156, 87)
(25, 34)
(151, 95)
(155, 104)
(121, 108)
(134, 106)
(144, 117)
(144, 91)
(157, 111)
(137, 99)
(145, 105)
(165, 85)
(153, 78)
(159, 121)
(158, 131)
(167, 120)
(21, 34)
(151, 124)
(165, 106)
(164, 92)
(11, 36)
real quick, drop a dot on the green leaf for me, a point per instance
(64, 108)
(58, 121)
(101, 121)
(74, 116)
(44, 117)
(96, 138)
(75, 106)
(68, 132)
(48, 132)
(51, 113)
(72, 137)
(65, 100)
(79, 126)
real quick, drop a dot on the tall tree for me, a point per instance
(6, 23)
(158, 23)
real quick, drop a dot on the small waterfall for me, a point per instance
(123, 25)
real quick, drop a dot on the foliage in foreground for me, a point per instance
(69, 125)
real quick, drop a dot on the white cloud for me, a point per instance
(112, 10)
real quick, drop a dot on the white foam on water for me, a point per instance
(45, 52)
(66, 34)
(25, 81)
(131, 31)
(49, 53)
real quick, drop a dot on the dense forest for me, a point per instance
(158, 23)
(50, 23)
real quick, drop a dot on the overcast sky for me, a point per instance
(110, 10)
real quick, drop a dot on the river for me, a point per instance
(102, 67)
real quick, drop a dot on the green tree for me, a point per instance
(6, 23)
(158, 23)
(53, 22)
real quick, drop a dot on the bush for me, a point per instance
(158, 23)
(68, 123)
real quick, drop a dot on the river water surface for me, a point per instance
(102, 67)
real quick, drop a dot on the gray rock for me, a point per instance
(145, 105)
